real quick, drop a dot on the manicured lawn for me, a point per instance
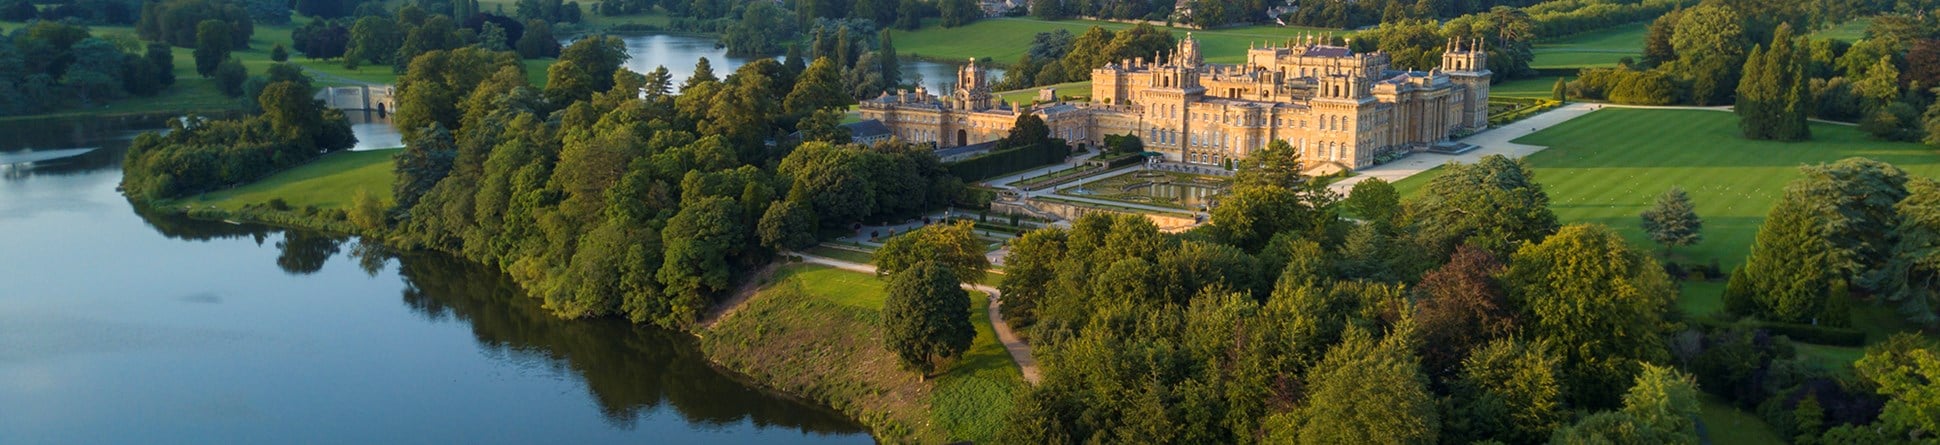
(1727, 425)
(1532, 88)
(849, 255)
(1850, 31)
(847, 288)
(1608, 166)
(1005, 39)
(1590, 49)
(972, 396)
(327, 183)
(1029, 95)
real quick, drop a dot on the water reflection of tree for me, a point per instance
(191, 229)
(629, 369)
(305, 252)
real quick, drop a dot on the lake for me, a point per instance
(120, 327)
(679, 52)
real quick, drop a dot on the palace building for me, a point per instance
(1340, 109)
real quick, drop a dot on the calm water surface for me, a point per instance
(678, 53)
(117, 327)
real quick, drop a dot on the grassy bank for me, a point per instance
(326, 183)
(1006, 39)
(1601, 48)
(814, 332)
(193, 93)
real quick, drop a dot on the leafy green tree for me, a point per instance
(1375, 201)
(952, 245)
(1906, 368)
(1249, 215)
(1661, 408)
(1587, 288)
(824, 125)
(925, 318)
(787, 225)
(1673, 221)
(279, 54)
(95, 74)
(424, 161)
(367, 211)
(698, 243)
(1029, 269)
(829, 179)
(229, 76)
(819, 87)
(537, 42)
(1366, 391)
(1710, 44)
(892, 66)
(211, 46)
(1507, 391)
(1855, 199)
(1494, 204)
(373, 39)
(1789, 276)
(585, 68)
(959, 12)
(1772, 94)
(1558, 92)
(1278, 164)
(1913, 275)
(759, 31)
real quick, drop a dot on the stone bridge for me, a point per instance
(363, 97)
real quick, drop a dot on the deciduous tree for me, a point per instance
(1587, 288)
(925, 318)
(952, 245)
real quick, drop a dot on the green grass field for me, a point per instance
(967, 402)
(1600, 48)
(1727, 425)
(192, 92)
(1006, 39)
(1608, 166)
(1029, 95)
(1532, 88)
(327, 183)
(1850, 31)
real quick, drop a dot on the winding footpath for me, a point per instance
(1019, 351)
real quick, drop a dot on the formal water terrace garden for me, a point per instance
(1169, 189)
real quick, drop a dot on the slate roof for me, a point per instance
(869, 129)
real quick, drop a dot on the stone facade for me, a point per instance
(1340, 109)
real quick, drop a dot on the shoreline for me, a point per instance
(875, 425)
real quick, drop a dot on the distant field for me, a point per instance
(327, 183)
(1608, 166)
(1850, 31)
(1534, 88)
(1006, 39)
(1592, 49)
(1727, 425)
(192, 92)
(1027, 95)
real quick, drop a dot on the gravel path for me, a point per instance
(1020, 352)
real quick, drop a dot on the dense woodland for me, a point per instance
(50, 66)
(1431, 322)
(1754, 54)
